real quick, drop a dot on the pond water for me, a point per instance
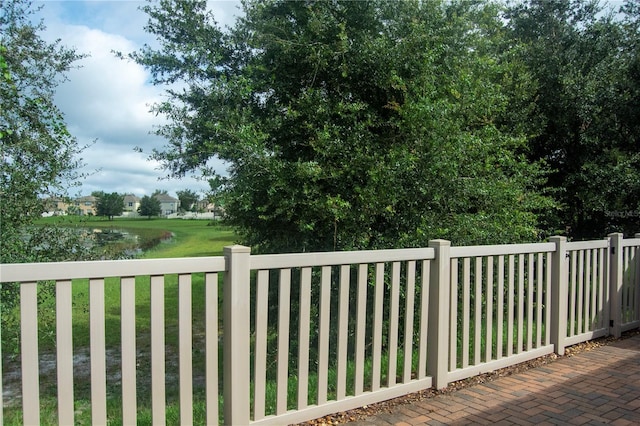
(117, 243)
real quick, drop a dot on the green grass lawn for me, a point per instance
(190, 238)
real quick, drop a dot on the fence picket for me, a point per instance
(520, 328)
(64, 352)
(303, 333)
(538, 301)
(1, 375)
(574, 292)
(376, 356)
(394, 312)
(424, 316)
(602, 314)
(624, 303)
(633, 314)
(628, 282)
(343, 331)
(489, 328)
(157, 351)
(529, 301)
(283, 340)
(211, 347)
(260, 355)
(453, 317)
(477, 339)
(29, 353)
(580, 292)
(587, 291)
(510, 304)
(361, 325)
(500, 308)
(185, 349)
(97, 347)
(594, 291)
(128, 349)
(408, 328)
(547, 301)
(636, 281)
(466, 296)
(323, 334)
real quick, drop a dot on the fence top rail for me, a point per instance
(279, 261)
(500, 250)
(631, 242)
(586, 245)
(30, 272)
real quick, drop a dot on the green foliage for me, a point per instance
(110, 205)
(350, 125)
(38, 153)
(149, 206)
(584, 59)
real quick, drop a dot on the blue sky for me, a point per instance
(107, 100)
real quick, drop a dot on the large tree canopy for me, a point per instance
(350, 125)
(188, 200)
(110, 205)
(585, 60)
(149, 206)
(37, 153)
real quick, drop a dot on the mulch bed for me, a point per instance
(387, 406)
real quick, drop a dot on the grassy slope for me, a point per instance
(191, 238)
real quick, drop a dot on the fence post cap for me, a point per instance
(557, 238)
(237, 249)
(438, 243)
(616, 235)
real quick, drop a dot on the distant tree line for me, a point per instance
(112, 204)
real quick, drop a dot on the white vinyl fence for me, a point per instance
(305, 335)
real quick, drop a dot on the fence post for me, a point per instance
(559, 294)
(236, 345)
(636, 284)
(615, 283)
(438, 328)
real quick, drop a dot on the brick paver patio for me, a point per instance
(601, 386)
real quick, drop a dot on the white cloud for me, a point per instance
(107, 95)
(108, 99)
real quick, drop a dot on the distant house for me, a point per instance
(131, 205)
(204, 206)
(168, 204)
(86, 205)
(55, 206)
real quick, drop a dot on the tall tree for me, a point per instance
(188, 200)
(347, 124)
(584, 58)
(110, 205)
(149, 206)
(38, 154)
